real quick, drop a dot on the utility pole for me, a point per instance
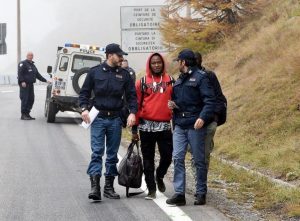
(18, 32)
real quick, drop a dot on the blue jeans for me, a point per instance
(105, 131)
(196, 140)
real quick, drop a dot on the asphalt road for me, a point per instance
(43, 172)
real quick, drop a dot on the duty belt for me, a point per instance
(186, 114)
(106, 113)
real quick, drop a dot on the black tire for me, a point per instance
(76, 78)
(46, 107)
(52, 110)
(48, 96)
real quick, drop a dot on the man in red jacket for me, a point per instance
(153, 122)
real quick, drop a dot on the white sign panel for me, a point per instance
(142, 41)
(140, 17)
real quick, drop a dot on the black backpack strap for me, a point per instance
(172, 81)
(143, 89)
(143, 84)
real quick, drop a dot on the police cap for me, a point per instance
(114, 49)
(186, 54)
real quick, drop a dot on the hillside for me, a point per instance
(259, 69)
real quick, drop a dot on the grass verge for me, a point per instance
(259, 71)
(274, 201)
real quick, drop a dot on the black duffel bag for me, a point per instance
(131, 170)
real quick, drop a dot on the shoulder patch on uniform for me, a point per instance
(202, 72)
(21, 64)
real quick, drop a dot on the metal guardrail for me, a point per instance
(13, 79)
(8, 79)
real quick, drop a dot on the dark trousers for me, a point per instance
(27, 98)
(165, 147)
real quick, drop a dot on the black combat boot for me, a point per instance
(109, 190)
(25, 117)
(31, 118)
(95, 188)
(177, 200)
(200, 199)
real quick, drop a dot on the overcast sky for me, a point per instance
(49, 23)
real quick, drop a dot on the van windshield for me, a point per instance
(83, 61)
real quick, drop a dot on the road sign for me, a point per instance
(140, 29)
(3, 48)
(140, 17)
(142, 41)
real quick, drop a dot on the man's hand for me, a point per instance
(23, 84)
(198, 124)
(131, 120)
(85, 116)
(49, 82)
(172, 105)
(135, 137)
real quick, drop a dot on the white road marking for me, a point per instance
(174, 212)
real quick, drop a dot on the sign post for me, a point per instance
(3, 47)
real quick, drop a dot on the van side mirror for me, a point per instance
(49, 69)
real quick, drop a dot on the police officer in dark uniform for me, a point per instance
(109, 82)
(125, 66)
(129, 69)
(27, 75)
(193, 105)
(220, 110)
